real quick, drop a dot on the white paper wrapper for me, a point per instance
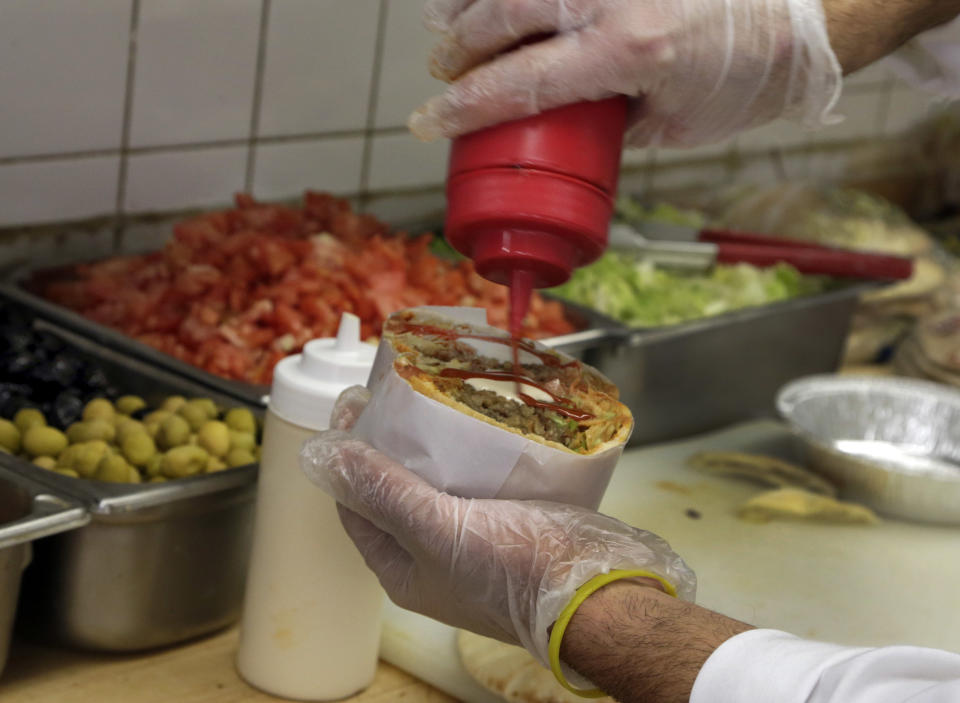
(465, 456)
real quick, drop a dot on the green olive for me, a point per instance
(91, 429)
(4, 450)
(99, 409)
(157, 479)
(9, 436)
(138, 448)
(193, 413)
(68, 456)
(173, 403)
(129, 404)
(41, 440)
(112, 468)
(45, 462)
(239, 457)
(67, 472)
(181, 462)
(130, 428)
(27, 418)
(242, 440)
(241, 420)
(215, 464)
(214, 436)
(133, 476)
(154, 466)
(156, 417)
(174, 431)
(208, 405)
(88, 457)
(193, 440)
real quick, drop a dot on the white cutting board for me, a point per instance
(891, 583)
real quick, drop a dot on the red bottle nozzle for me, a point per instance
(536, 195)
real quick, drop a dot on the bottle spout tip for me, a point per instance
(348, 333)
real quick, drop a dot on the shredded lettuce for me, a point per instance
(640, 294)
(633, 212)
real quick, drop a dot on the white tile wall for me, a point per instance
(863, 118)
(906, 107)
(319, 63)
(195, 70)
(286, 169)
(219, 101)
(403, 161)
(183, 179)
(62, 72)
(52, 190)
(779, 134)
(404, 80)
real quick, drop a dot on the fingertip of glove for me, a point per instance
(425, 123)
(320, 454)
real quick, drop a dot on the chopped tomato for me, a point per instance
(233, 292)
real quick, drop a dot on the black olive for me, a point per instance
(64, 369)
(66, 409)
(94, 378)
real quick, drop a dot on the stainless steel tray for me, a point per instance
(157, 563)
(678, 380)
(702, 375)
(27, 512)
(596, 328)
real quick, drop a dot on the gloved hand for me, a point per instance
(500, 568)
(698, 70)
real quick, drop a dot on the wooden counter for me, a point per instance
(199, 672)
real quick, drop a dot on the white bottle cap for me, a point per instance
(306, 386)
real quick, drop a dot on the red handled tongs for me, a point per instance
(699, 250)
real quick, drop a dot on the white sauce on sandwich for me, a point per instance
(508, 389)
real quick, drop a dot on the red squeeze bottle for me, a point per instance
(530, 200)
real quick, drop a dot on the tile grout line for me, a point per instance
(197, 146)
(257, 96)
(372, 103)
(122, 168)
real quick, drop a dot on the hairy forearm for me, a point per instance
(639, 644)
(862, 31)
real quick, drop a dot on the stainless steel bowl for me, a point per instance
(890, 443)
(157, 563)
(27, 512)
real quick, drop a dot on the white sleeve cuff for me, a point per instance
(776, 667)
(766, 665)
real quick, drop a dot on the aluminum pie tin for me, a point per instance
(890, 443)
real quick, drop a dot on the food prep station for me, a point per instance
(134, 568)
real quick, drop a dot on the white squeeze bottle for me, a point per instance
(311, 615)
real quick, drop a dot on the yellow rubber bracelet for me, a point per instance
(584, 592)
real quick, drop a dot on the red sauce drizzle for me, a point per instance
(546, 358)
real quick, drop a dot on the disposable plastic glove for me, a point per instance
(500, 568)
(698, 70)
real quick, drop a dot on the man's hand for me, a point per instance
(501, 568)
(698, 70)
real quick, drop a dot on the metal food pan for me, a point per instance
(593, 327)
(157, 563)
(678, 380)
(702, 375)
(28, 511)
